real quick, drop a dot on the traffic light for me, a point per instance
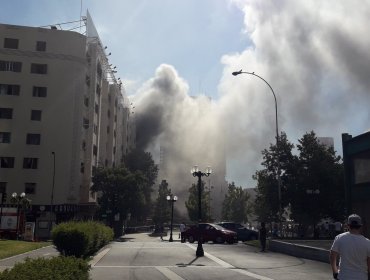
(3, 200)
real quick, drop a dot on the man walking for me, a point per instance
(354, 252)
(182, 229)
(262, 236)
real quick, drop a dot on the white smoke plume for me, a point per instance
(315, 56)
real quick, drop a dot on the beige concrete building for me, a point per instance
(59, 103)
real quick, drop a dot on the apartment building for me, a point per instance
(62, 113)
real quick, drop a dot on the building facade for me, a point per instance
(356, 159)
(62, 114)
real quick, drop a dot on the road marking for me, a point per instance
(154, 266)
(251, 274)
(99, 256)
(169, 273)
(227, 265)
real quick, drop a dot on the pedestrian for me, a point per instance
(338, 228)
(354, 252)
(182, 229)
(262, 236)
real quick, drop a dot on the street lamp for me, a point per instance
(52, 194)
(18, 199)
(313, 193)
(277, 134)
(197, 173)
(171, 198)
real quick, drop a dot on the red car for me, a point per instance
(210, 232)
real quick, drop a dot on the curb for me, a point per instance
(300, 251)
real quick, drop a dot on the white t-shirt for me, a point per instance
(354, 249)
(182, 227)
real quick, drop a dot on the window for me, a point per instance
(10, 43)
(39, 91)
(98, 89)
(30, 163)
(99, 70)
(95, 150)
(82, 167)
(6, 162)
(108, 114)
(33, 139)
(95, 129)
(4, 137)
(85, 123)
(30, 188)
(96, 108)
(37, 68)
(41, 46)
(11, 66)
(2, 187)
(6, 113)
(87, 80)
(86, 101)
(35, 115)
(108, 129)
(9, 89)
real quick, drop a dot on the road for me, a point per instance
(140, 257)
(150, 258)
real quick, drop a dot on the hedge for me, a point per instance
(81, 239)
(56, 268)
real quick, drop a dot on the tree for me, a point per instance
(312, 182)
(119, 192)
(235, 206)
(139, 160)
(193, 200)
(267, 199)
(319, 182)
(161, 209)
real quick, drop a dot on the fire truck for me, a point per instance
(11, 222)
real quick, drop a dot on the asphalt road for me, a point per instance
(142, 257)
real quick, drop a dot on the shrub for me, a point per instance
(81, 239)
(56, 268)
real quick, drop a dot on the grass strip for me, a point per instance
(10, 248)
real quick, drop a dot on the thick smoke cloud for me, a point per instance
(315, 56)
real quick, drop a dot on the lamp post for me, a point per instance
(197, 173)
(52, 194)
(277, 135)
(18, 199)
(311, 192)
(171, 198)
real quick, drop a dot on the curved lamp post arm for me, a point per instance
(236, 73)
(273, 93)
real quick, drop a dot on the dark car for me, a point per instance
(243, 233)
(210, 232)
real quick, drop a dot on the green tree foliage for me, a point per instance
(235, 206)
(267, 198)
(319, 169)
(120, 192)
(161, 207)
(139, 160)
(315, 168)
(193, 200)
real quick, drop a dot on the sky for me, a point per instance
(314, 54)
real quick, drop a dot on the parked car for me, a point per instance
(210, 232)
(243, 233)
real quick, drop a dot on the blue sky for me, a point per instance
(313, 53)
